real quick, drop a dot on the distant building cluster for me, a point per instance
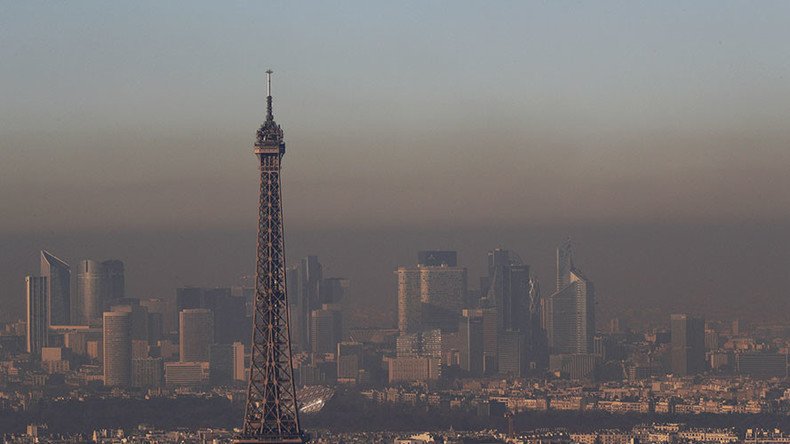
(501, 342)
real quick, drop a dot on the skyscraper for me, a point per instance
(114, 283)
(564, 264)
(508, 290)
(117, 328)
(37, 328)
(58, 274)
(570, 311)
(333, 290)
(99, 286)
(326, 329)
(195, 334)
(430, 297)
(220, 369)
(409, 303)
(688, 344)
(89, 292)
(470, 332)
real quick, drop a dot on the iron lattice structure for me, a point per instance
(271, 415)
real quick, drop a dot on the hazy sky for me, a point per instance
(139, 116)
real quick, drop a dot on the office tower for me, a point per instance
(37, 328)
(414, 369)
(195, 334)
(114, 284)
(409, 303)
(99, 286)
(117, 328)
(570, 311)
(221, 364)
(326, 328)
(443, 292)
(350, 357)
(165, 311)
(427, 343)
(95, 349)
(58, 274)
(511, 354)
(508, 290)
(155, 327)
(89, 292)
(537, 342)
(147, 372)
(228, 311)
(407, 345)
(186, 373)
(564, 264)
(470, 331)
(688, 344)
(271, 414)
(138, 316)
(189, 297)
(430, 297)
(304, 282)
(333, 290)
(575, 366)
(230, 320)
(239, 372)
(437, 258)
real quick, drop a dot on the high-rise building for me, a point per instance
(114, 285)
(511, 354)
(430, 297)
(99, 286)
(58, 274)
(304, 285)
(508, 290)
(564, 264)
(326, 328)
(426, 343)
(409, 303)
(138, 316)
(37, 325)
(333, 290)
(570, 311)
(221, 364)
(470, 332)
(90, 282)
(350, 356)
(195, 335)
(117, 328)
(688, 344)
(186, 373)
(147, 372)
(229, 311)
(443, 293)
(414, 369)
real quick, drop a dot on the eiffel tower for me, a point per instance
(271, 415)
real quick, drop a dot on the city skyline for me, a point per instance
(667, 153)
(511, 222)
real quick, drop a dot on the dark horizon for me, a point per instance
(641, 272)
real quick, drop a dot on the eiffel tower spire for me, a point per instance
(271, 415)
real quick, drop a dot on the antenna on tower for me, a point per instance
(269, 113)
